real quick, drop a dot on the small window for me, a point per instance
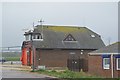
(27, 37)
(34, 37)
(118, 63)
(38, 37)
(69, 38)
(106, 63)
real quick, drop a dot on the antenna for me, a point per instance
(33, 24)
(109, 40)
(40, 23)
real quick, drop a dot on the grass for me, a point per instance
(70, 75)
(11, 54)
(12, 58)
(65, 74)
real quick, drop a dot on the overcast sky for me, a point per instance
(0, 25)
(101, 17)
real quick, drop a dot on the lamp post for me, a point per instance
(32, 46)
(40, 23)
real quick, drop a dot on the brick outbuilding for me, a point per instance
(105, 62)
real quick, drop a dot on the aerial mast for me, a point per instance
(40, 23)
(33, 25)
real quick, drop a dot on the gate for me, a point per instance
(77, 65)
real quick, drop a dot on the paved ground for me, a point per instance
(20, 74)
(14, 71)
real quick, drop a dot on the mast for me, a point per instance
(40, 23)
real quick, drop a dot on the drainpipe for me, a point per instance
(32, 45)
(112, 74)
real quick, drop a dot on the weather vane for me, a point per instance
(40, 21)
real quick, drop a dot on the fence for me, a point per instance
(77, 65)
(11, 55)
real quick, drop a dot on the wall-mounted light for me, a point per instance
(82, 51)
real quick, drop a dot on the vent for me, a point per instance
(92, 36)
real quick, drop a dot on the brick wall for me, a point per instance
(57, 58)
(95, 67)
(116, 72)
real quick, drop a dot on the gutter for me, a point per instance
(101, 53)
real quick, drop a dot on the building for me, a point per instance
(54, 45)
(105, 61)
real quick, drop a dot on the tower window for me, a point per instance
(27, 37)
(37, 37)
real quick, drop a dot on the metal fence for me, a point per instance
(10, 55)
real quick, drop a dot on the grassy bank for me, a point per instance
(12, 58)
(65, 74)
(11, 54)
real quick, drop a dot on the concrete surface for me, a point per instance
(19, 71)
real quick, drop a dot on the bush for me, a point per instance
(41, 70)
(53, 71)
(67, 74)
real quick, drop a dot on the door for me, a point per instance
(77, 65)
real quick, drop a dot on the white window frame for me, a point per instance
(104, 65)
(40, 39)
(27, 37)
(117, 63)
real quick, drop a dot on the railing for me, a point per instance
(10, 55)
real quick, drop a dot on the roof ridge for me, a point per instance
(63, 26)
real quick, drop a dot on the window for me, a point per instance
(34, 37)
(69, 38)
(106, 63)
(118, 63)
(27, 37)
(37, 37)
